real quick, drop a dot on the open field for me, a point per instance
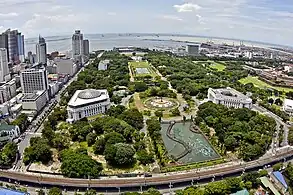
(218, 66)
(142, 69)
(261, 84)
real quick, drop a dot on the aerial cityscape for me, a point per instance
(169, 112)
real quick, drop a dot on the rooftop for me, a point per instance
(288, 104)
(82, 97)
(4, 191)
(33, 96)
(265, 181)
(230, 93)
(280, 178)
(4, 126)
(241, 192)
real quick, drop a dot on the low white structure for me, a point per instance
(87, 103)
(288, 106)
(8, 132)
(103, 65)
(229, 97)
(35, 101)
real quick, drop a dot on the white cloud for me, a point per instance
(172, 17)
(8, 15)
(187, 7)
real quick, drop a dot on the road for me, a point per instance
(161, 179)
(35, 129)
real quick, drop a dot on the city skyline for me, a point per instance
(263, 20)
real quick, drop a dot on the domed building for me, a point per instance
(87, 103)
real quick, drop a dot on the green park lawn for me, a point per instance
(142, 64)
(261, 84)
(218, 66)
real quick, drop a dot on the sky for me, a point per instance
(257, 20)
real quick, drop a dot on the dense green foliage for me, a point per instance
(55, 191)
(8, 154)
(38, 151)
(153, 129)
(241, 130)
(22, 122)
(192, 79)
(91, 77)
(226, 186)
(79, 165)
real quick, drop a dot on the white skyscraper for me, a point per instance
(34, 80)
(77, 44)
(4, 70)
(41, 51)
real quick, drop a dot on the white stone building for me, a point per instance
(87, 103)
(229, 97)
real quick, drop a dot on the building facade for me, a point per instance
(66, 66)
(35, 101)
(193, 49)
(4, 70)
(8, 132)
(229, 97)
(86, 47)
(77, 44)
(34, 80)
(41, 51)
(87, 103)
(20, 47)
(7, 91)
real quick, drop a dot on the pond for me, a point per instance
(201, 149)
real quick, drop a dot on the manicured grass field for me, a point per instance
(218, 66)
(261, 84)
(140, 66)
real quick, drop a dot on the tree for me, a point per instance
(90, 192)
(38, 151)
(271, 100)
(144, 157)
(41, 192)
(114, 138)
(159, 113)
(91, 138)
(8, 154)
(115, 111)
(99, 146)
(79, 165)
(278, 102)
(22, 122)
(277, 167)
(175, 112)
(133, 117)
(124, 154)
(55, 191)
(152, 191)
(60, 141)
(140, 86)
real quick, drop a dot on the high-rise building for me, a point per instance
(77, 44)
(193, 49)
(4, 42)
(12, 45)
(86, 47)
(41, 51)
(4, 70)
(13, 41)
(34, 80)
(20, 46)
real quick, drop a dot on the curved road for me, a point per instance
(144, 181)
